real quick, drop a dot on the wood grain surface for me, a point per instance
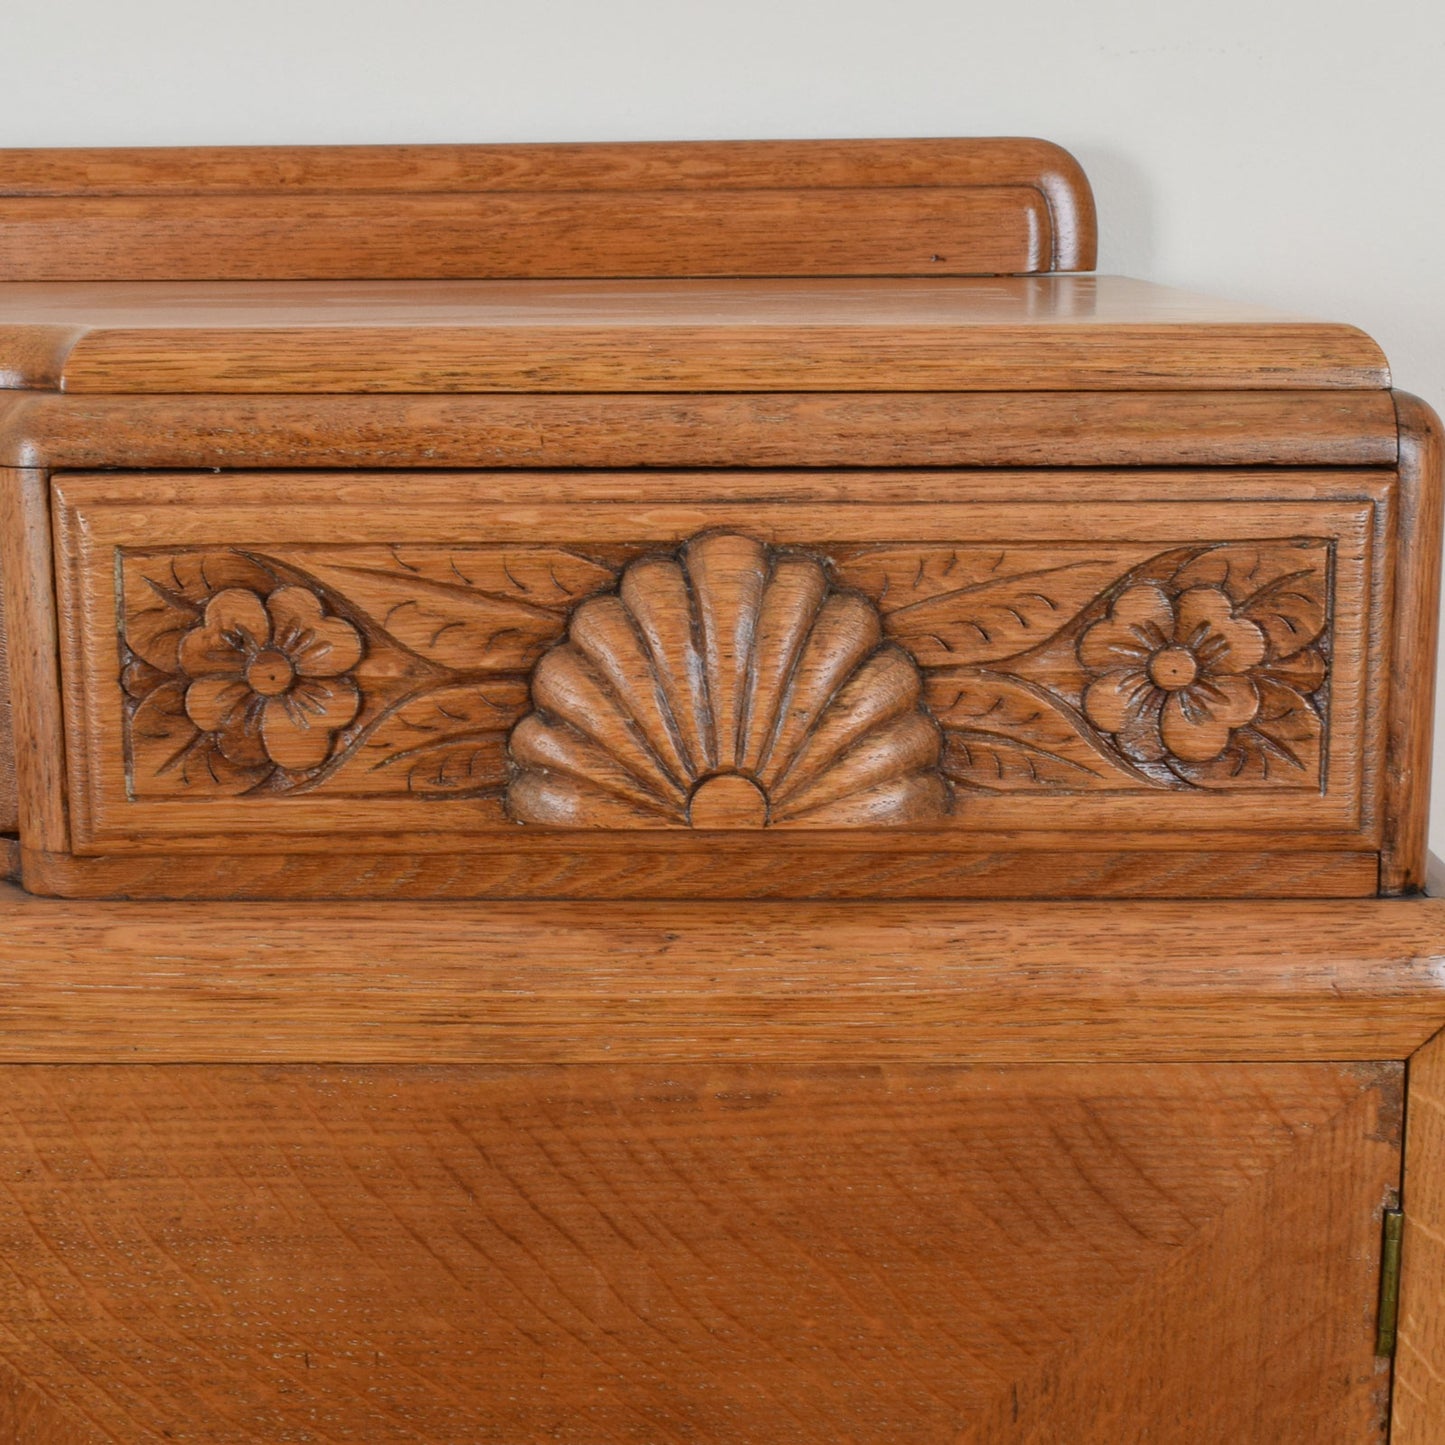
(525, 982)
(696, 1252)
(27, 577)
(340, 1169)
(407, 731)
(878, 429)
(1044, 333)
(883, 231)
(1419, 1403)
(9, 789)
(967, 206)
(712, 865)
(1416, 566)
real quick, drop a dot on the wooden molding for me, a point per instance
(27, 576)
(788, 429)
(1028, 659)
(731, 208)
(529, 983)
(767, 334)
(1413, 645)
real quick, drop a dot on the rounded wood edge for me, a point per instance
(537, 983)
(1072, 208)
(606, 431)
(527, 165)
(1413, 643)
(33, 358)
(181, 173)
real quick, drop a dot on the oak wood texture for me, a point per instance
(715, 865)
(1042, 333)
(816, 208)
(1419, 1395)
(728, 685)
(337, 1169)
(9, 791)
(32, 646)
(693, 1252)
(96, 982)
(144, 779)
(1417, 630)
(877, 429)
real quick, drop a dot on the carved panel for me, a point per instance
(725, 683)
(1087, 669)
(358, 671)
(730, 685)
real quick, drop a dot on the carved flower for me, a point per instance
(1172, 673)
(267, 676)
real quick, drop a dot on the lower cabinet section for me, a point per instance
(768, 1253)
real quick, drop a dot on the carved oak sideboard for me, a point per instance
(701, 793)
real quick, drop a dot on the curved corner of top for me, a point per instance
(33, 356)
(1070, 198)
(1419, 422)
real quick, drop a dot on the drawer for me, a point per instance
(930, 683)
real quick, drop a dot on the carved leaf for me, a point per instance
(449, 741)
(1282, 587)
(170, 756)
(471, 610)
(1004, 735)
(1282, 747)
(965, 606)
(549, 577)
(1304, 671)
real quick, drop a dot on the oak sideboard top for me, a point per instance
(1000, 333)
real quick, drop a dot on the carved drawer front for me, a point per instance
(546, 679)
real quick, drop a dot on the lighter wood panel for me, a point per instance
(520, 982)
(724, 1254)
(1419, 1400)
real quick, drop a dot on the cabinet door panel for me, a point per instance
(746, 1253)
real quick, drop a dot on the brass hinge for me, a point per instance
(1389, 1310)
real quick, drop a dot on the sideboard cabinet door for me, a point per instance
(734, 1254)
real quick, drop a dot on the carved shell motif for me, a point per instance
(727, 686)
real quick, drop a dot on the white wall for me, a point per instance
(1278, 150)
